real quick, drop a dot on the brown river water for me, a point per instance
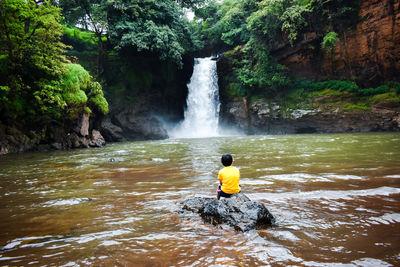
(336, 198)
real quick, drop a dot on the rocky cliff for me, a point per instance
(368, 53)
(263, 117)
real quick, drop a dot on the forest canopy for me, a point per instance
(36, 84)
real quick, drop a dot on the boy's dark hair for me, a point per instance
(226, 160)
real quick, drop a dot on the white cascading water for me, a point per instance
(201, 115)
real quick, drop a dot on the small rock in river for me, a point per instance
(237, 211)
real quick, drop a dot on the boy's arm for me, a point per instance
(220, 177)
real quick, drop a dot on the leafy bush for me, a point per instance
(259, 73)
(80, 40)
(75, 78)
(395, 86)
(329, 41)
(235, 90)
(351, 107)
(293, 21)
(374, 91)
(96, 98)
(79, 89)
(335, 85)
(386, 97)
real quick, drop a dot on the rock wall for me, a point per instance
(369, 53)
(261, 117)
(80, 133)
(132, 122)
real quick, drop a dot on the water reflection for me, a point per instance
(336, 198)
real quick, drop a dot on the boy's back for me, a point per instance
(229, 179)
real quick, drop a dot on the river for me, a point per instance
(336, 198)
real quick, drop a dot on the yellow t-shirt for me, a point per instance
(229, 178)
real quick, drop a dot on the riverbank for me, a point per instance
(317, 112)
(79, 133)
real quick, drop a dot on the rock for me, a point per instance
(112, 132)
(368, 52)
(56, 145)
(97, 140)
(237, 211)
(13, 140)
(263, 118)
(84, 125)
(133, 123)
(73, 140)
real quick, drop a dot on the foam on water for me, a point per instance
(327, 194)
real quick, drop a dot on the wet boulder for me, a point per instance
(237, 211)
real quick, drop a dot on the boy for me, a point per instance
(228, 177)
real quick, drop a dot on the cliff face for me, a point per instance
(369, 53)
(261, 117)
(80, 133)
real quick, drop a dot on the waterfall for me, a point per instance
(201, 114)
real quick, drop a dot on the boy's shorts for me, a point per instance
(222, 193)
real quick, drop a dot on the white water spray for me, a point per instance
(201, 115)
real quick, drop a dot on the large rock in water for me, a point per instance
(237, 211)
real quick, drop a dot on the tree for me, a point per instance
(31, 56)
(92, 15)
(159, 27)
(328, 44)
(35, 80)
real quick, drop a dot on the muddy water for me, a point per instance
(336, 197)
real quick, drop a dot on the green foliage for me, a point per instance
(224, 22)
(32, 58)
(386, 97)
(342, 14)
(276, 17)
(336, 88)
(329, 41)
(80, 40)
(351, 107)
(235, 90)
(75, 78)
(336, 85)
(257, 72)
(374, 91)
(146, 35)
(293, 21)
(340, 96)
(79, 90)
(266, 22)
(96, 98)
(394, 86)
(148, 27)
(42, 87)
(328, 92)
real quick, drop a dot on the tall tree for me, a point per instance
(91, 15)
(38, 86)
(31, 56)
(159, 27)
